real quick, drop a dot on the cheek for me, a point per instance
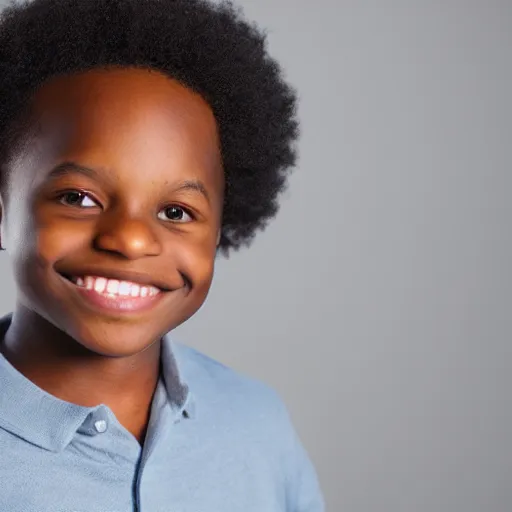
(38, 246)
(195, 260)
(42, 240)
(56, 240)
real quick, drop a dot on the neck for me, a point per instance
(64, 368)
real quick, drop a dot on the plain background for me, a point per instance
(378, 303)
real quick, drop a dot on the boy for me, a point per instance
(137, 139)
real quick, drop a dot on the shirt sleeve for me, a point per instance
(303, 490)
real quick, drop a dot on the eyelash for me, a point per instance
(83, 194)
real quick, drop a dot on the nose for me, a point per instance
(127, 236)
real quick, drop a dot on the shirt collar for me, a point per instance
(42, 419)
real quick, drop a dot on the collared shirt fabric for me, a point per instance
(216, 442)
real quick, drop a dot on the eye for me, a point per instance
(77, 198)
(175, 214)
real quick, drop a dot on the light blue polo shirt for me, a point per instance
(216, 442)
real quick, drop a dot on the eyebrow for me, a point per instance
(195, 185)
(67, 168)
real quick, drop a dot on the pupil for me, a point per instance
(175, 213)
(74, 197)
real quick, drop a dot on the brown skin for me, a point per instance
(144, 135)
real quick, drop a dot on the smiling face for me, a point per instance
(111, 212)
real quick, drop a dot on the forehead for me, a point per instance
(125, 118)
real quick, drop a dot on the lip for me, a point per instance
(115, 304)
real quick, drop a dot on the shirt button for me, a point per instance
(100, 426)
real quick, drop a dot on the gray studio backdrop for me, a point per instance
(379, 302)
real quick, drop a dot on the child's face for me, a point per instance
(151, 205)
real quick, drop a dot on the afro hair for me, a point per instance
(208, 47)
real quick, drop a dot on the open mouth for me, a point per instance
(115, 296)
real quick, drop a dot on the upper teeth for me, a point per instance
(115, 287)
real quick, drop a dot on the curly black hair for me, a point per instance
(210, 48)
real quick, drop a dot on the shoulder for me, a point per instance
(220, 386)
(243, 411)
